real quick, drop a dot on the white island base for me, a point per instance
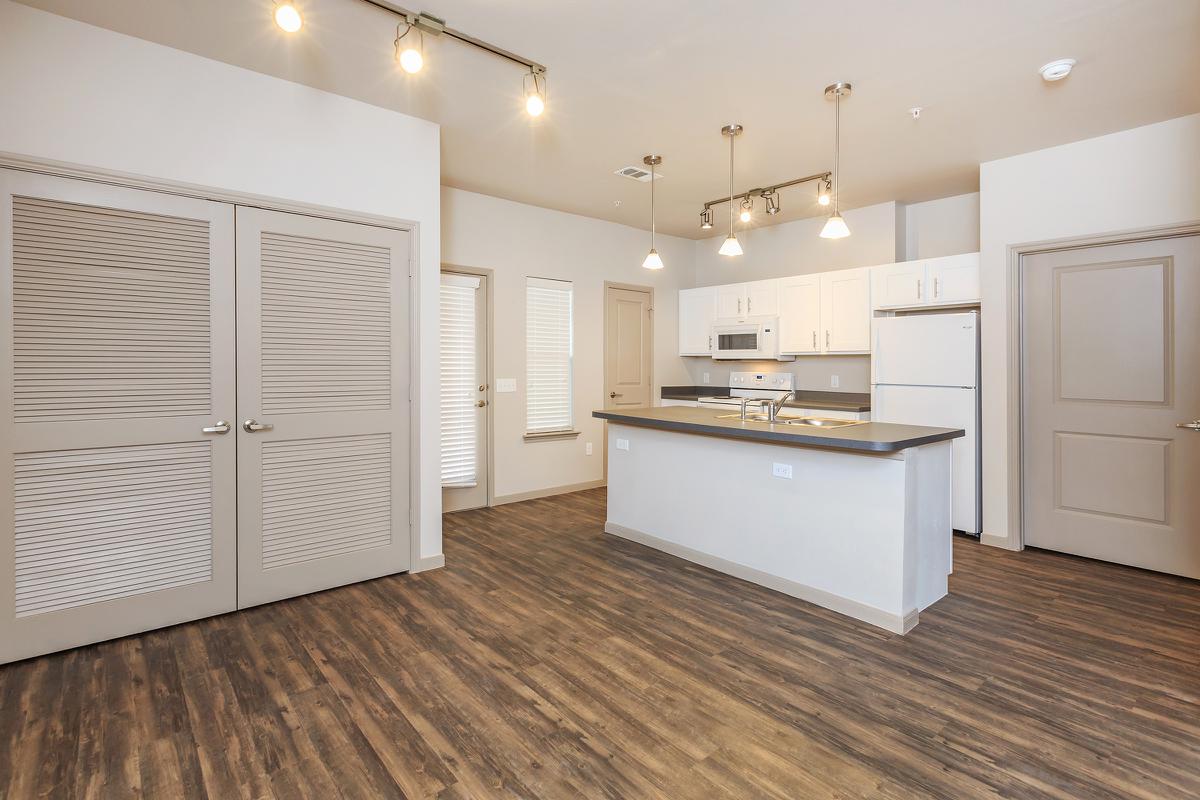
(865, 534)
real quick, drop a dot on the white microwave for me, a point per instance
(750, 339)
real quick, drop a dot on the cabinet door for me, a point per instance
(899, 285)
(846, 311)
(697, 310)
(800, 314)
(731, 300)
(762, 298)
(954, 279)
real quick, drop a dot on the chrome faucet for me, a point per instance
(772, 407)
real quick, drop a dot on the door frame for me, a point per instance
(1015, 271)
(632, 287)
(489, 282)
(64, 169)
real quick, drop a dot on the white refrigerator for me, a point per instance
(925, 371)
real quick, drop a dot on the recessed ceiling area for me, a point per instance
(626, 79)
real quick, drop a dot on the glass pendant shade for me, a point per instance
(835, 228)
(730, 247)
(653, 261)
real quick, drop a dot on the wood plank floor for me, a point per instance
(548, 660)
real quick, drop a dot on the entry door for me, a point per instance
(323, 406)
(627, 348)
(1111, 343)
(117, 494)
(464, 391)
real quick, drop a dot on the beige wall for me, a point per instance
(943, 227)
(1133, 180)
(516, 240)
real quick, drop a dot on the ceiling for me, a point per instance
(631, 78)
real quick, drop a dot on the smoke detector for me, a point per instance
(636, 173)
(1057, 70)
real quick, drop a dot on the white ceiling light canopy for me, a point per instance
(653, 259)
(1057, 70)
(835, 226)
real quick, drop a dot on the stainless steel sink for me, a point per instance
(812, 422)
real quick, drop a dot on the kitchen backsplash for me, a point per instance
(812, 373)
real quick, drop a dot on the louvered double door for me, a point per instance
(132, 496)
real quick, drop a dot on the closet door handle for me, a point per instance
(254, 426)
(826, 340)
(221, 427)
(814, 340)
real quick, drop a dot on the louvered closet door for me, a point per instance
(323, 354)
(117, 512)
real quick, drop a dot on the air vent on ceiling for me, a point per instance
(637, 173)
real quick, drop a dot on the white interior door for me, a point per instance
(323, 407)
(627, 348)
(117, 508)
(464, 391)
(1111, 344)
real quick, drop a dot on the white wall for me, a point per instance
(943, 227)
(1136, 179)
(75, 93)
(517, 240)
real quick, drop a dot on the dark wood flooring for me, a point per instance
(548, 660)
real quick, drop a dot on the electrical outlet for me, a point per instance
(622, 444)
(834, 381)
(707, 379)
(587, 449)
(781, 470)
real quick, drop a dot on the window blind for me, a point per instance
(549, 349)
(459, 373)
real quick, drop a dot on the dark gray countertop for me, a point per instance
(805, 398)
(871, 437)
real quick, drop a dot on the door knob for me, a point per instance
(1194, 425)
(483, 387)
(254, 426)
(221, 427)
(615, 394)
(480, 403)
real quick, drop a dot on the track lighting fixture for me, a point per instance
(706, 217)
(535, 92)
(772, 200)
(730, 246)
(287, 17)
(835, 226)
(747, 212)
(653, 259)
(823, 192)
(410, 54)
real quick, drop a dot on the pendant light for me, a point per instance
(730, 246)
(653, 259)
(835, 226)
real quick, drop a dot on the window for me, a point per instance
(459, 374)
(549, 350)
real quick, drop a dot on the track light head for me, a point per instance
(772, 201)
(287, 17)
(534, 85)
(410, 54)
(824, 191)
(747, 212)
(706, 219)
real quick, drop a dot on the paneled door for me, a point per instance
(628, 348)
(464, 390)
(323, 406)
(117, 491)
(1111, 348)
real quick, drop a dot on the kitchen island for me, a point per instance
(854, 517)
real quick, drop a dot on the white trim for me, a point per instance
(851, 608)
(551, 491)
(427, 563)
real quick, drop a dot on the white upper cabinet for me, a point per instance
(846, 311)
(697, 310)
(946, 281)
(954, 279)
(800, 314)
(731, 300)
(762, 298)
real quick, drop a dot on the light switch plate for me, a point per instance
(587, 448)
(707, 379)
(781, 470)
(506, 384)
(834, 381)
(622, 444)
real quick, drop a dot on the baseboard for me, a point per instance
(996, 540)
(851, 608)
(428, 563)
(548, 492)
